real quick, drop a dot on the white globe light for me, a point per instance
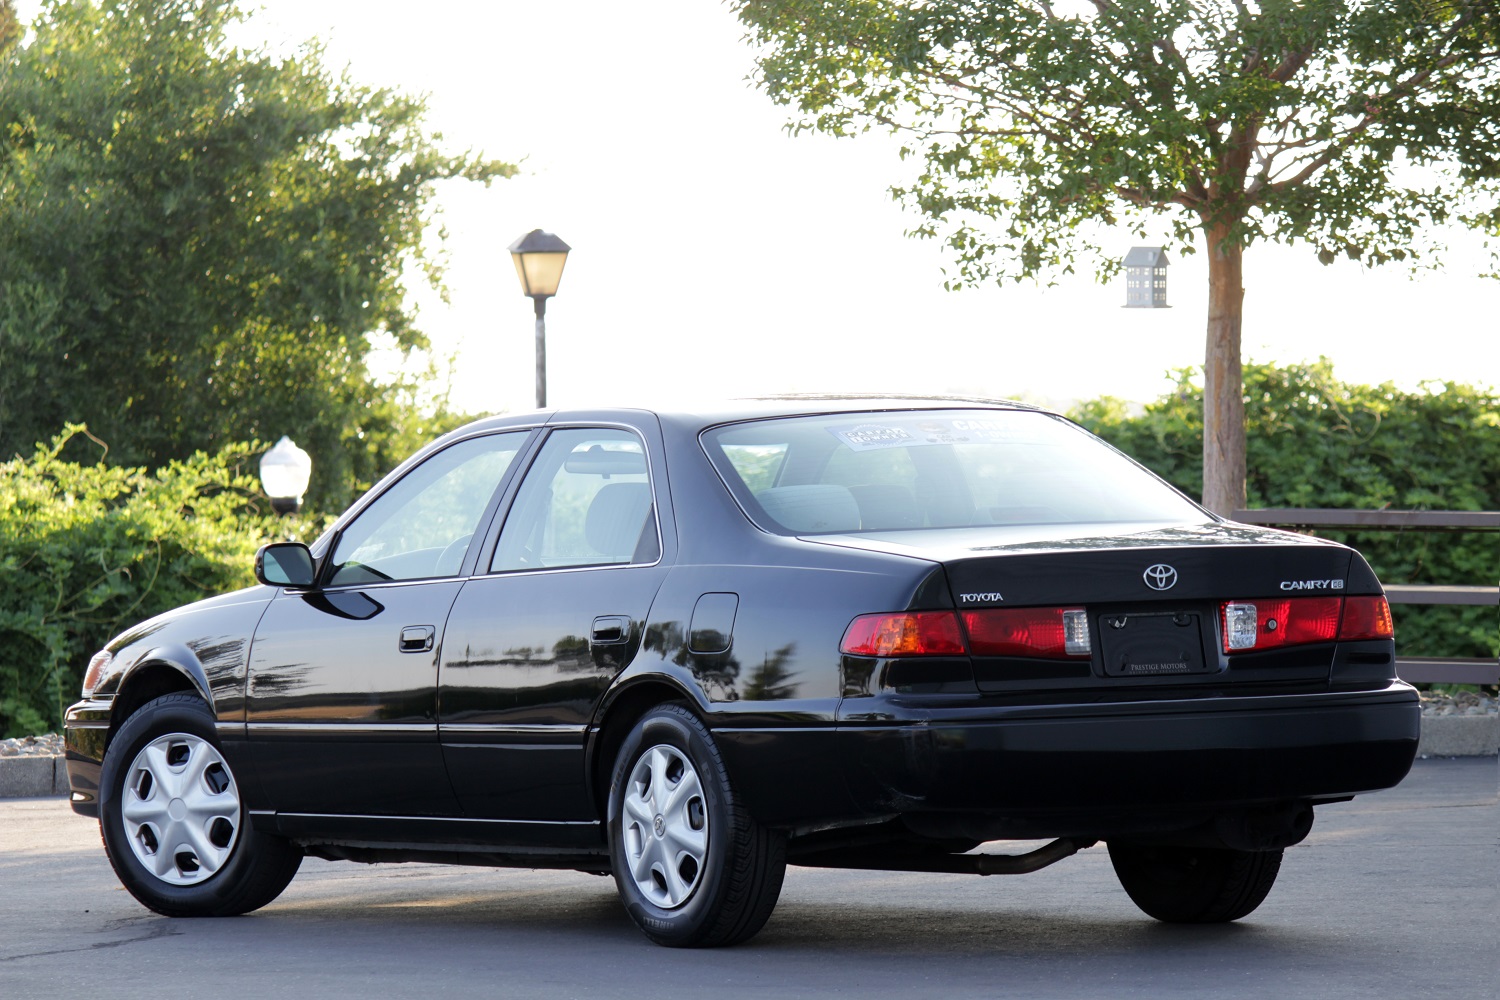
(284, 473)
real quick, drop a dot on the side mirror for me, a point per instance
(285, 564)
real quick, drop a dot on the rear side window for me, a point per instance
(757, 465)
(858, 472)
(585, 501)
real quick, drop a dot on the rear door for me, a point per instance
(556, 610)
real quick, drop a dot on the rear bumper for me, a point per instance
(1090, 769)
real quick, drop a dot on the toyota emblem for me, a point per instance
(1160, 577)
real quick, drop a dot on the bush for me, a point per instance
(87, 550)
(1314, 441)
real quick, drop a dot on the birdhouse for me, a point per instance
(1146, 278)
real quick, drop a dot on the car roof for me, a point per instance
(751, 408)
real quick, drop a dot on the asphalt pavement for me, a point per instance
(1395, 894)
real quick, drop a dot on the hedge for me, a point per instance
(87, 550)
(1315, 441)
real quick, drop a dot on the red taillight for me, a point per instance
(1270, 623)
(1367, 618)
(906, 633)
(1053, 633)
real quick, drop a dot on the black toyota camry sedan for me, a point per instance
(691, 648)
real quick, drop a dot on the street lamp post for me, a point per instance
(539, 258)
(285, 471)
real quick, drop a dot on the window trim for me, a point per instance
(325, 567)
(757, 516)
(486, 555)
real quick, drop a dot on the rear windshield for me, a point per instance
(859, 472)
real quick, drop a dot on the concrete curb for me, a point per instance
(1460, 736)
(31, 777)
(1442, 736)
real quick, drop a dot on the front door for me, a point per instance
(343, 677)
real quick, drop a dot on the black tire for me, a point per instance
(1195, 885)
(725, 869)
(219, 864)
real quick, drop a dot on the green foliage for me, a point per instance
(86, 550)
(1315, 441)
(1283, 120)
(10, 26)
(201, 244)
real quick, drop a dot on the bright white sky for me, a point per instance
(714, 255)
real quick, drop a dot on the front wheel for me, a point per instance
(174, 822)
(1195, 885)
(692, 867)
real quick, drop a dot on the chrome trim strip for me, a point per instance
(831, 727)
(507, 573)
(345, 588)
(513, 746)
(98, 724)
(444, 819)
(590, 568)
(498, 729)
(343, 728)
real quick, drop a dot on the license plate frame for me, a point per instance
(1153, 644)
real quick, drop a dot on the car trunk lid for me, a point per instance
(1152, 599)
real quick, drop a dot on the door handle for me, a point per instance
(609, 630)
(417, 638)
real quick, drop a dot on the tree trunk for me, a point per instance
(1223, 381)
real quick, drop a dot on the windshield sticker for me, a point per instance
(871, 437)
(994, 429)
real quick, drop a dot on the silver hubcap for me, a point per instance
(181, 809)
(665, 826)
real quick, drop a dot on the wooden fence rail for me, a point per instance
(1418, 669)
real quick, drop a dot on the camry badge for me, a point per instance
(1160, 577)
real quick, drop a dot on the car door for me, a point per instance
(342, 694)
(535, 640)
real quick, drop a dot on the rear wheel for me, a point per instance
(174, 822)
(1195, 885)
(692, 867)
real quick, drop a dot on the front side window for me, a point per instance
(585, 501)
(855, 472)
(421, 527)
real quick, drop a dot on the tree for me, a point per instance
(1353, 127)
(201, 244)
(10, 26)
